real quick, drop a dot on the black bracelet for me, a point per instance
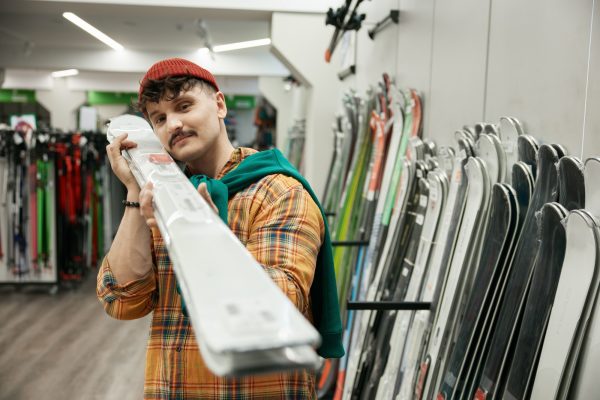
(131, 203)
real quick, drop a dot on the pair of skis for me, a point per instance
(256, 328)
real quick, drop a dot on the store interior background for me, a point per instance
(471, 60)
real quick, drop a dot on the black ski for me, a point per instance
(509, 318)
(497, 242)
(539, 302)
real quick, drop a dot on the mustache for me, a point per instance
(178, 134)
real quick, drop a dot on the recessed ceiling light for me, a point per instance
(241, 45)
(92, 31)
(63, 73)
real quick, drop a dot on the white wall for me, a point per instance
(62, 103)
(476, 60)
(272, 89)
(299, 41)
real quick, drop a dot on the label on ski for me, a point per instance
(480, 394)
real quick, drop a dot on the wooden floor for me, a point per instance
(64, 346)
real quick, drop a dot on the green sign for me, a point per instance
(240, 102)
(17, 96)
(99, 98)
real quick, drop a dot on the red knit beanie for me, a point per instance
(176, 67)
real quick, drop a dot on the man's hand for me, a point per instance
(203, 190)
(119, 164)
(147, 209)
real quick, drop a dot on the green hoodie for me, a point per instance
(323, 292)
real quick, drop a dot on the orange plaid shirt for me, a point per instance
(282, 227)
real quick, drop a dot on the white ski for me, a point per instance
(254, 328)
(475, 209)
(437, 193)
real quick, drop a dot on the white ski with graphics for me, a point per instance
(254, 328)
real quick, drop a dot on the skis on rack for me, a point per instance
(408, 245)
(498, 241)
(466, 246)
(445, 243)
(502, 343)
(438, 183)
(571, 194)
(539, 302)
(523, 185)
(389, 209)
(574, 299)
(585, 380)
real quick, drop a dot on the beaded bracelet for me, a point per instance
(131, 203)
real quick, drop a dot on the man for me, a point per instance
(275, 216)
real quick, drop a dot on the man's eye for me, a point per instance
(159, 120)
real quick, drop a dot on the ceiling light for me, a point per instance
(241, 45)
(63, 73)
(92, 31)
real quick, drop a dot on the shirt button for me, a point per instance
(178, 349)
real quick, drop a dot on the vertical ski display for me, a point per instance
(488, 260)
(404, 108)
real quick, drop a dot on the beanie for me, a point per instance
(176, 67)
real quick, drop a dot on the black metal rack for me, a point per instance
(380, 305)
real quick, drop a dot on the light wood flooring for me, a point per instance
(65, 347)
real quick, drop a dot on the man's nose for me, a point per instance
(174, 124)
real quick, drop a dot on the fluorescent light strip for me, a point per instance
(241, 45)
(92, 31)
(63, 73)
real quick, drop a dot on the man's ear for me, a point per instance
(221, 105)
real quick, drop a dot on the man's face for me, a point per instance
(189, 125)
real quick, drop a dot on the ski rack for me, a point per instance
(389, 305)
(244, 325)
(343, 74)
(393, 16)
(380, 305)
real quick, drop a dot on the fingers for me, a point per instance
(146, 207)
(203, 190)
(120, 143)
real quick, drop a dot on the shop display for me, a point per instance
(483, 248)
(51, 188)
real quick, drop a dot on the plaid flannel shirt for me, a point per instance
(282, 227)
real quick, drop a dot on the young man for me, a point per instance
(275, 216)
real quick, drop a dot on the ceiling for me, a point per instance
(34, 35)
(135, 27)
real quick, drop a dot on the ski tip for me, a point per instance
(327, 55)
(441, 396)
